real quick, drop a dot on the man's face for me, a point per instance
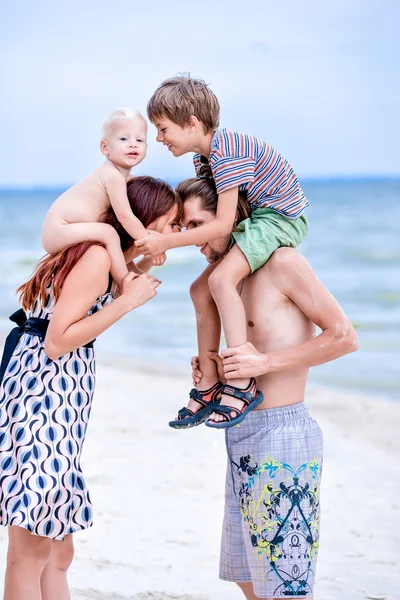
(194, 216)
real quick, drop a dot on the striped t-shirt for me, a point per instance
(240, 160)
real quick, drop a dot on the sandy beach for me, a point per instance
(158, 495)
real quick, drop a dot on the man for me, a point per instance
(271, 524)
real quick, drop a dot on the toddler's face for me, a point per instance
(126, 142)
(178, 139)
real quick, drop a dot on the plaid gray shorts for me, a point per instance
(270, 532)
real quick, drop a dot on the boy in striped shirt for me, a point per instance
(186, 114)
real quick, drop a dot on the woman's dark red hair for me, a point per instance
(149, 198)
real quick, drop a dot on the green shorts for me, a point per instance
(265, 231)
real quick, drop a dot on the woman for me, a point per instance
(46, 394)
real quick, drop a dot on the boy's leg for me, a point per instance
(54, 577)
(208, 327)
(223, 284)
(208, 332)
(58, 237)
(26, 558)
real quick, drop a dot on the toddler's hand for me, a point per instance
(159, 260)
(152, 245)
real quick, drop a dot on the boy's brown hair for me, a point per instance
(178, 98)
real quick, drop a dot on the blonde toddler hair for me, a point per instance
(121, 114)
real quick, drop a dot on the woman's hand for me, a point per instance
(139, 289)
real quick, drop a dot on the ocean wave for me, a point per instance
(374, 256)
(353, 249)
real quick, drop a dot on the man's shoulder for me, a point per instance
(284, 262)
(284, 255)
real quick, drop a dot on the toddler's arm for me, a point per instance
(219, 227)
(145, 264)
(116, 190)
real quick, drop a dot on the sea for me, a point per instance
(353, 245)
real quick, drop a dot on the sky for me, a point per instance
(320, 81)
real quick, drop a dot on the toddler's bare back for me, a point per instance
(86, 201)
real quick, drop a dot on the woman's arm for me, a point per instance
(70, 327)
(142, 265)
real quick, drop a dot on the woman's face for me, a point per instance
(166, 223)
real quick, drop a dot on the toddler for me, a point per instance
(76, 215)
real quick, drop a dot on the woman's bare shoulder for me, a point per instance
(94, 265)
(99, 254)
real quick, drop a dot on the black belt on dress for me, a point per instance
(31, 326)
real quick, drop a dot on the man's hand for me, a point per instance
(220, 367)
(197, 374)
(152, 245)
(243, 362)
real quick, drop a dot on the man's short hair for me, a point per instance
(178, 98)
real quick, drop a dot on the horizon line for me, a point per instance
(311, 179)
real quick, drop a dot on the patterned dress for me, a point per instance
(44, 411)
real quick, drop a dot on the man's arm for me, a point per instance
(294, 277)
(221, 226)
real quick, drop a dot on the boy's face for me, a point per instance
(126, 142)
(179, 140)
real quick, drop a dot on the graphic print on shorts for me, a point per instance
(281, 506)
